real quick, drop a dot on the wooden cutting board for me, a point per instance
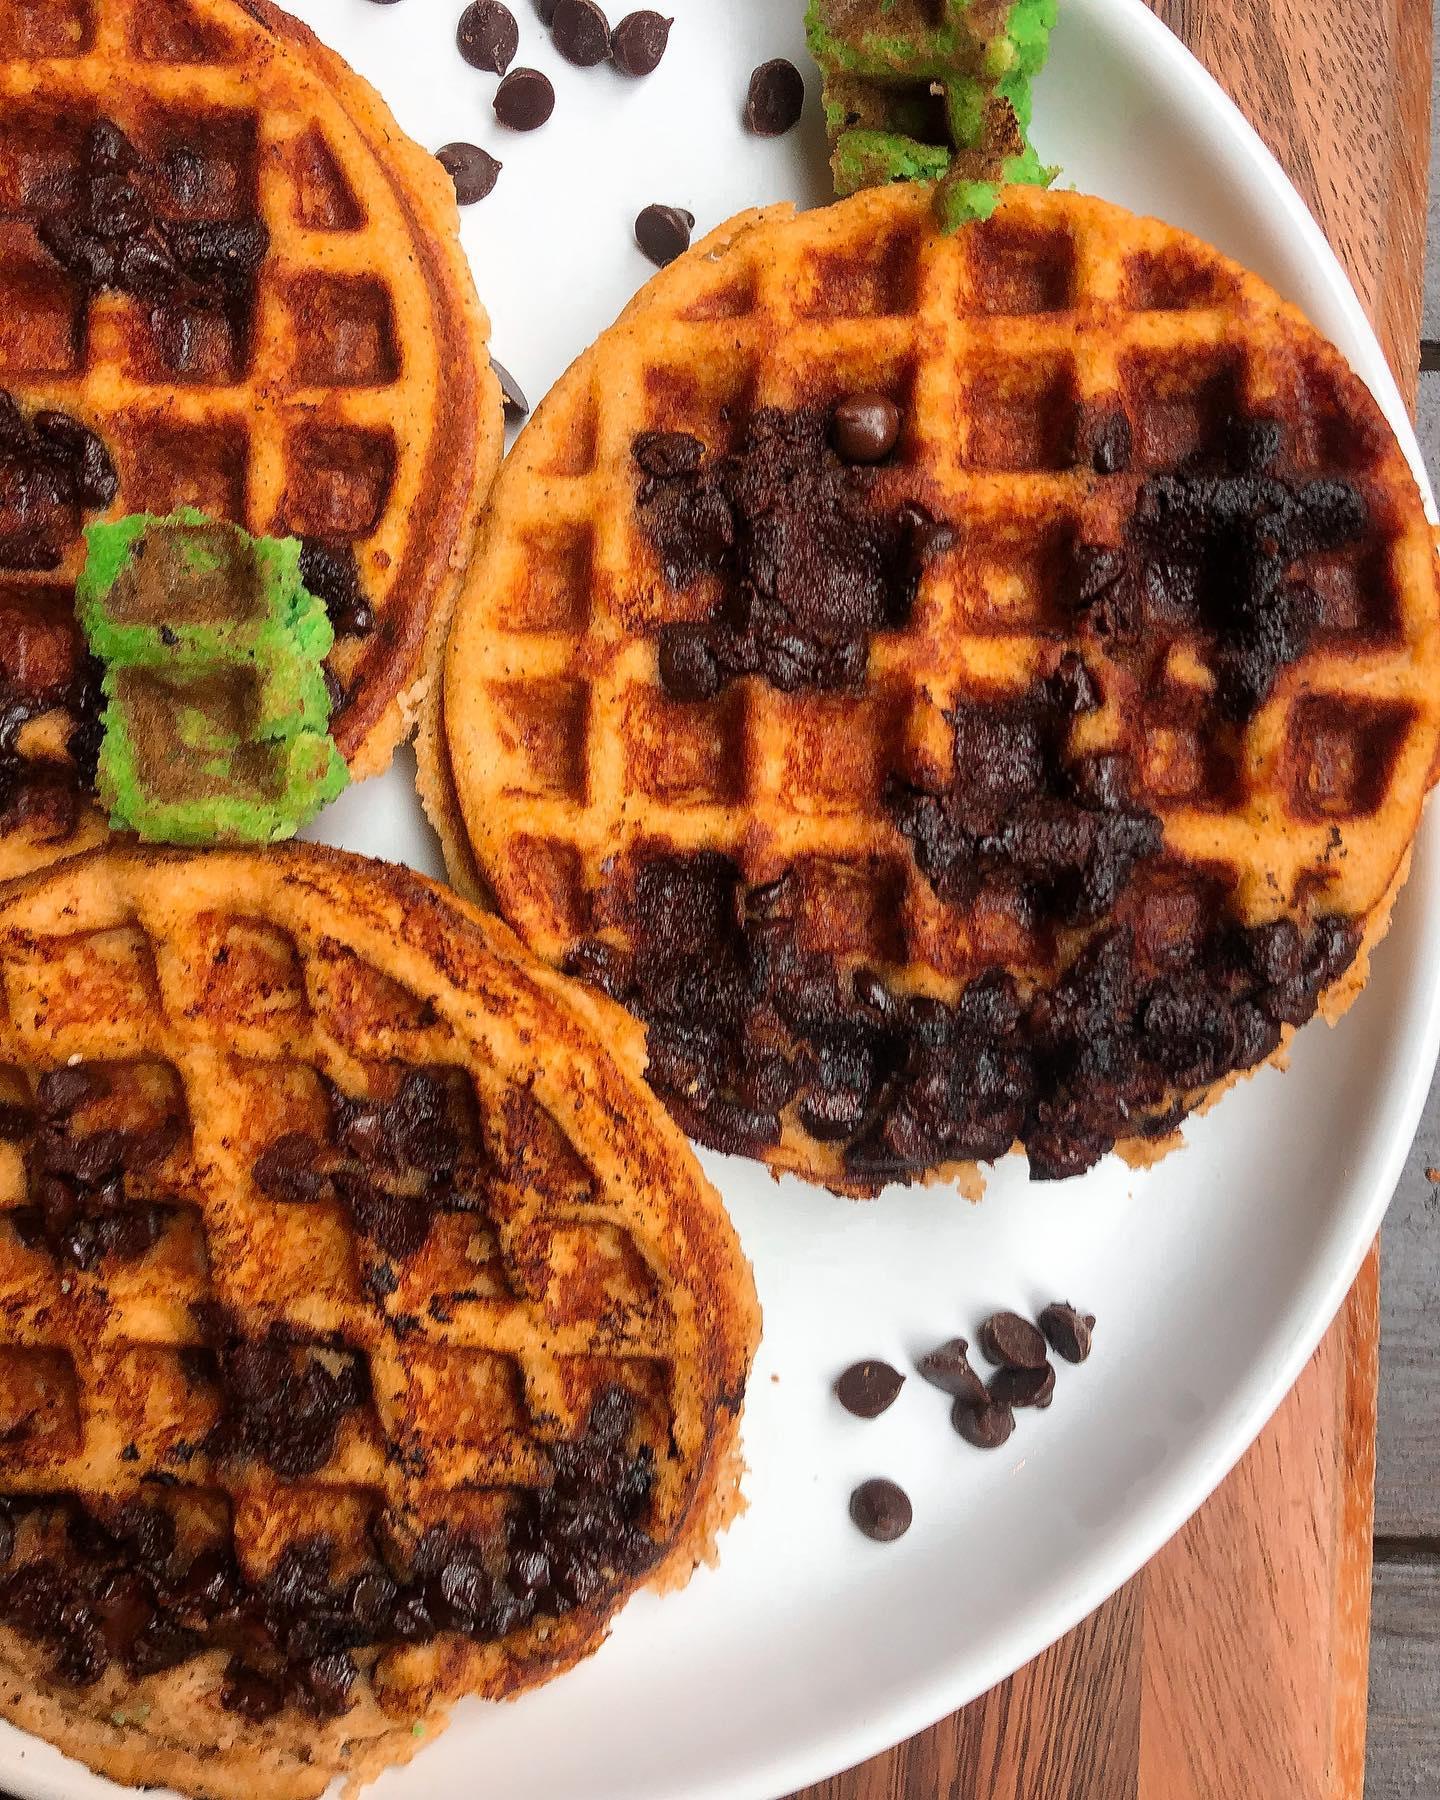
(1234, 1666)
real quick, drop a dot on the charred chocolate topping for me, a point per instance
(394, 1163)
(743, 1021)
(1209, 552)
(132, 1589)
(1062, 836)
(80, 1209)
(811, 565)
(105, 229)
(1118, 1029)
(53, 470)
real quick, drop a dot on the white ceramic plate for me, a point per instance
(1213, 1276)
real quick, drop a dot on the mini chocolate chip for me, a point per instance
(663, 233)
(776, 98)
(668, 453)
(582, 32)
(487, 36)
(947, 1367)
(881, 1510)
(511, 393)
(1067, 1331)
(474, 171)
(546, 10)
(638, 42)
(524, 100)
(1111, 446)
(1023, 1387)
(1014, 1343)
(868, 1388)
(986, 1427)
(64, 1091)
(866, 428)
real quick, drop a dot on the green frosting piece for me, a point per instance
(872, 158)
(187, 584)
(910, 96)
(217, 719)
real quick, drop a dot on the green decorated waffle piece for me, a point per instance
(216, 712)
(932, 90)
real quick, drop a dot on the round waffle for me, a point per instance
(222, 260)
(1017, 789)
(367, 1331)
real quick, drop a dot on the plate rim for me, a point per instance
(1212, 1451)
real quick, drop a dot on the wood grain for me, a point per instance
(1407, 1487)
(1405, 1681)
(1235, 1665)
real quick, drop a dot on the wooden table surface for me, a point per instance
(1234, 1667)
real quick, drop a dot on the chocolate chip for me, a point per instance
(582, 32)
(1014, 1343)
(487, 36)
(638, 42)
(474, 171)
(986, 1427)
(524, 100)
(546, 10)
(668, 453)
(512, 394)
(1023, 1387)
(1067, 1331)
(64, 1091)
(663, 233)
(776, 98)
(947, 1367)
(866, 428)
(868, 1388)
(881, 1510)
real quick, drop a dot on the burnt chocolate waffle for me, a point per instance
(962, 694)
(229, 281)
(368, 1333)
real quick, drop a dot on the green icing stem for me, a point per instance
(885, 146)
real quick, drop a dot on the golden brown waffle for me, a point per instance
(353, 1288)
(304, 398)
(1161, 523)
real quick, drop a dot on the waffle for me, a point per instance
(1091, 779)
(267, 345)
(367, 1331)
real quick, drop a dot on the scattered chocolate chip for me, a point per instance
(487, 36)
(638, 42)
(473, 170)
(776, 98)
(866, 428)
(868, 1388)
(881, 1510)
(524, 100)
(511, 393)
(1067, 1331)
(947, 1367)
(986, 1427)
(1012, 1342)
(582, 32)
(663, 233)
(1023, 1387)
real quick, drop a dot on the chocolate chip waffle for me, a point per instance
(1008, 758)
(227, 280)
(367, 1331)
